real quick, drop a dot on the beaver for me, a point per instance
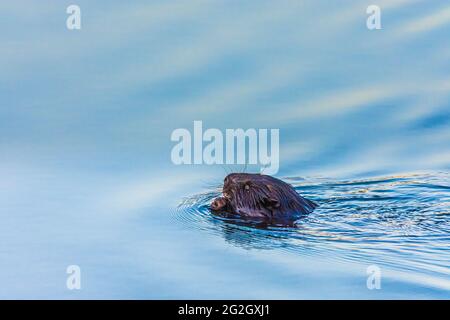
(260, 197)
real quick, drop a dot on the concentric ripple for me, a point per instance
(399, 220)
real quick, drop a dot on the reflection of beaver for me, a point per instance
(260, 197)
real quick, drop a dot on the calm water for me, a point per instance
(86, 175)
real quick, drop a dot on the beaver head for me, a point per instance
(260, 196)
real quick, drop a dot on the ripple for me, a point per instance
(401, 221)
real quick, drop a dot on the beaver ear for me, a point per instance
(272, 202)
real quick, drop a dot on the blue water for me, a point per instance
(86, 175)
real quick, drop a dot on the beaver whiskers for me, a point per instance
(262, 197)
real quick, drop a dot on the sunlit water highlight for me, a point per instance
(86, 176)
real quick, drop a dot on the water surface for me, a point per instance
(86, 176)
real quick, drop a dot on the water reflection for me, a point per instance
(86, 119)
(394, 219)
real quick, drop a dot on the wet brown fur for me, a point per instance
(260, 197)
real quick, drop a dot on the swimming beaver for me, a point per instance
(261, 197)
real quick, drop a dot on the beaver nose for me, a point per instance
(218, 203)
(215, 205)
